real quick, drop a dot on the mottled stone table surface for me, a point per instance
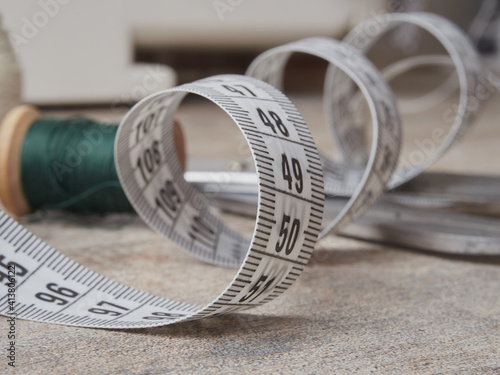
(357, 308)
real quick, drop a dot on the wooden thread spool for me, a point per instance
(13, 131)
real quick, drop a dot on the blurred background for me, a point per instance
(75, 52)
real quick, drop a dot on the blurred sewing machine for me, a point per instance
(65, 61)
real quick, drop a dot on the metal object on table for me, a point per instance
(479, 195)
(389, 222)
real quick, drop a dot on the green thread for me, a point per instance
(69, 164)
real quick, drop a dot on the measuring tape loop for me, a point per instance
(366, 186)
(467, 64)
(424, 102)
(50, 287)
(39, 283)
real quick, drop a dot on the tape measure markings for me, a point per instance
(47, 261)
(365, 188)
(464, 57)
(53, 288)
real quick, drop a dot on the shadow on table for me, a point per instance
(225, 326)
(477, 259)
(365, 253)
(377, 253)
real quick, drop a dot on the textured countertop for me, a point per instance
(357, 308)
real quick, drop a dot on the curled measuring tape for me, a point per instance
(365, 186)
(470, 76)
(52, 288)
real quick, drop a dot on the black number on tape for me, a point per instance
(107, 312)
(13, 268)
(288, 234)
(235, 90)
(202, 231)
(278, 123)
(297, 173)
(257, 289)
(144, 126)
(162, 315)
(168, 199)
(52, 298)
(149, 160)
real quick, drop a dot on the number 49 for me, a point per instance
(287, 173)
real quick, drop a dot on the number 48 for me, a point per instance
(273, 122)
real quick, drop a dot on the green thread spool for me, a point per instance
(69, 164)
(61, 164)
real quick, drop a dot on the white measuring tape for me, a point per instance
(366, 186)
(470, 76)
(39, 283)
(348, 70)
(50, 287)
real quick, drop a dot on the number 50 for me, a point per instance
(288, 234)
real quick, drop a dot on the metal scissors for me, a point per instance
(434, 212)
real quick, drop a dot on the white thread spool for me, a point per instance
(10, 75)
